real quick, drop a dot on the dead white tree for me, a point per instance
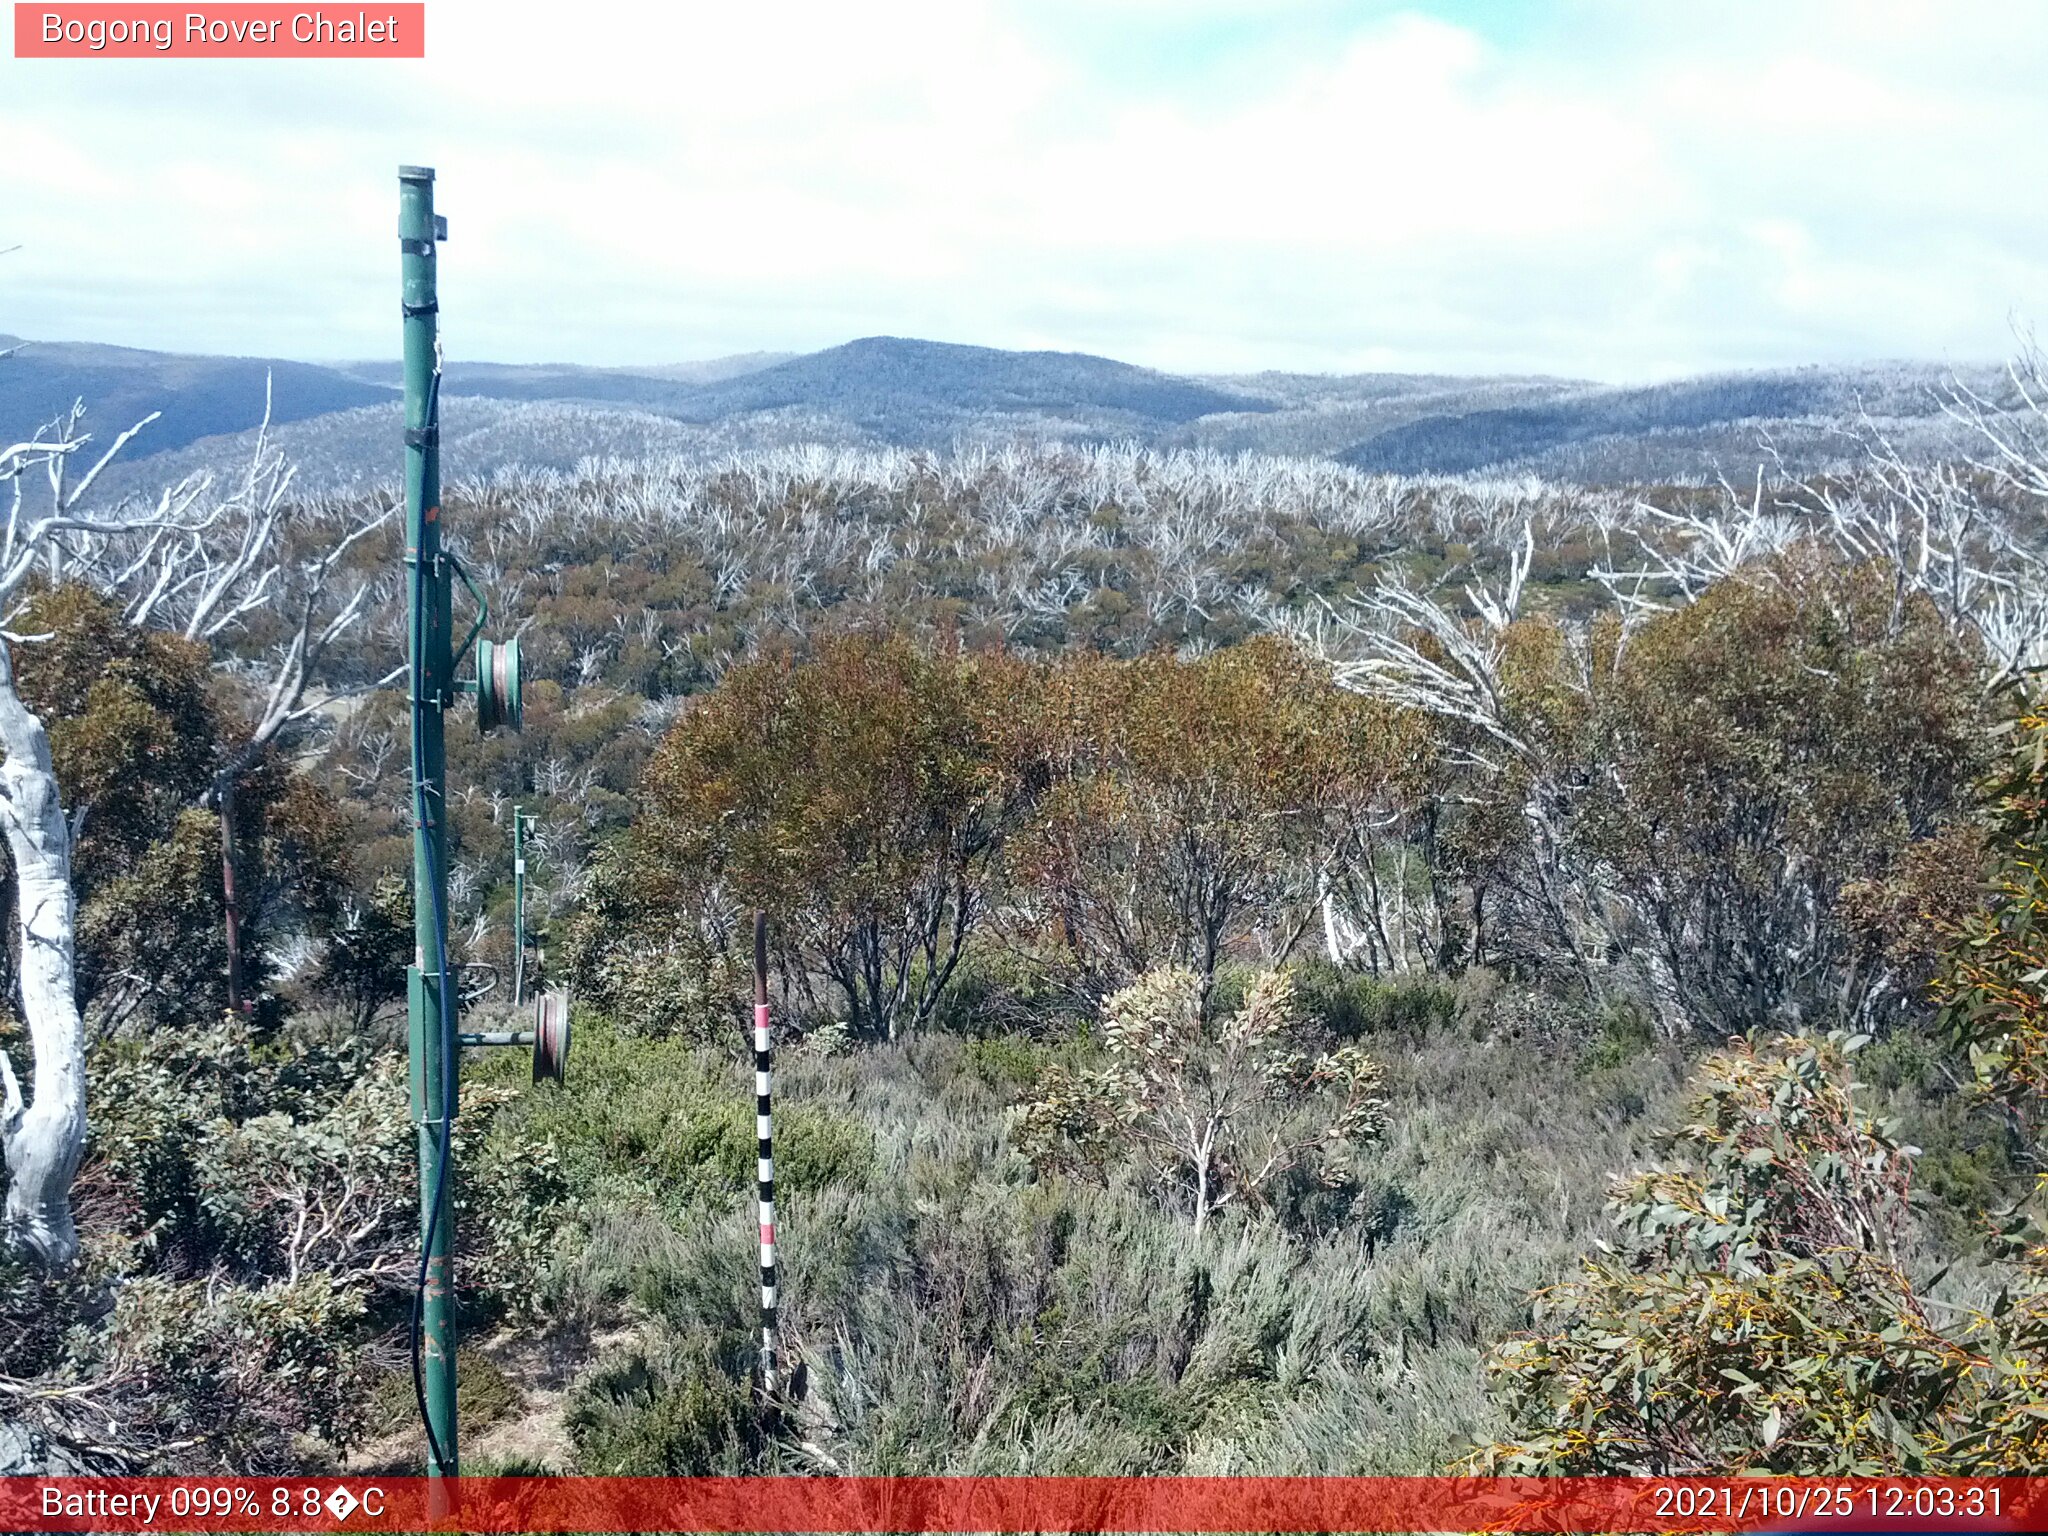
(44, 1132)
(1962, 532)
(1410, 648)
(204, 563)
(1416, 649)
(261, 564)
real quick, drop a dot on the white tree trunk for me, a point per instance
(44, 1137)
(1334, 946)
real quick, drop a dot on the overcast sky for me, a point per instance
(1605, 188)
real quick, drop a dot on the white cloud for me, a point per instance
(1619, 192)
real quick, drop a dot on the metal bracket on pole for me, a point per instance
(497, 1037)
(549, 1036)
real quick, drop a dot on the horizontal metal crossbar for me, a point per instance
(498, 1037)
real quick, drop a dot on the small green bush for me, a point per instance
(1351, 1005)
(488, 1396)
(995, 992)
(1626, 1032)
(681, 990)
(815, 1149)
(673, 1120)
(1972, 1158)
(681, 1409)
(1005, 1063)
(1905, 1059)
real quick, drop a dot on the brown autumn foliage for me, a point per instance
(1761, 750)
(863, 797)
(887, 803)
(1193, 804)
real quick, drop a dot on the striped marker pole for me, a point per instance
(763, 1057)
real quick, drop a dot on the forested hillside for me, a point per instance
(1241, 928)
(193, 397)
(336, 421)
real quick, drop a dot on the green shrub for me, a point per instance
(1758, 1313)
(488, 1397)
(363, 969)
(244, 1370)
(681, 1409)
(674, 986)
(673, 1121)
(1905, 1060)
(214, 1138)
(815, 1149)
(1351, 1005)
(1626, 1032)
(250, 1207)
(1972, 1158)
(997, 991)
(517, 1215)
(1972, 1162)
(1006, 1063)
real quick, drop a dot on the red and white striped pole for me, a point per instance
(763, 1069)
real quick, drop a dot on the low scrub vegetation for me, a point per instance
(1214, 996)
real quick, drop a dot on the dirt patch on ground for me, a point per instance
(530, 1436)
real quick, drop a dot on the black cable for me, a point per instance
(448, 1032)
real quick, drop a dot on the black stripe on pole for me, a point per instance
(763, 1079)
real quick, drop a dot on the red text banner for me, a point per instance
(964, 1504)
(231, 31)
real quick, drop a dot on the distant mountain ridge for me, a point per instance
(339, 419)
(198, 396)
(562, 381)
(1464, 441)
(885, 382)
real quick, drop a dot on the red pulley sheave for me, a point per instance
(550, 1036)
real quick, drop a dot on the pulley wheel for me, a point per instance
(499, 697)
(550, 1036)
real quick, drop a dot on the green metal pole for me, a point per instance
(518, 907)
(435, 1063)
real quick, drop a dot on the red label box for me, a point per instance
(1696, 1506)
(374, 30)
